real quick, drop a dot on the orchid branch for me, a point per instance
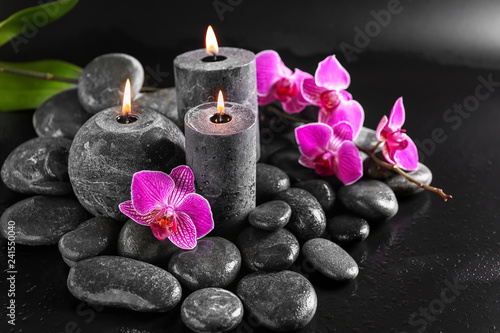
(404, 174)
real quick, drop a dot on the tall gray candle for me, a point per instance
(200, 74)
(221, 151)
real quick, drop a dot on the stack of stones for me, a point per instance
(123, 265)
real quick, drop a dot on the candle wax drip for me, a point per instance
(126, 119)
(220, 118)
(214, 58)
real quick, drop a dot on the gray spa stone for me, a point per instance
(280, 301)
(401, 186)
(367, 138)
(163, 101)
(102, 81)
(270, 181)
(330, 259)
(105, 154)
(268, 251)
(271, 215)
(288, 161)
(371, 199)
(42, 220)
(39, 166)
(137, 241)
(321, 190)
(308, 219)
(214, 262)
(124, 283)
(91, 238)
(211, 310)
(62, 115)
(347, 228)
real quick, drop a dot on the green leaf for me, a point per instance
(20, 92)
(29, 20)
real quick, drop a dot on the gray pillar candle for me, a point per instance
(223, 159)
(199, 76)
(105, 154)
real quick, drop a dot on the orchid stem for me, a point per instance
(51, 77)
(404, 174)
(375, 147)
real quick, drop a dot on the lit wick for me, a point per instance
(220, 117)
(212, 47)
(126, 117)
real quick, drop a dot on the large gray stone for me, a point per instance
(347, 228)
(308, 218)
(281, 301)
(211, 310)
(271, 215)
(124, 283)
(268, 251)
(39, 166)
(402, 186)
(102, 81)
(270, 181)
(321, 190)
(214, 262)
(42, 220)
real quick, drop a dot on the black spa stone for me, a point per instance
(102, 81)
(270, 181)
(308, 219)
(214, 262)
(280, 301)
(163, 101)
(330, 259)
(137, 241)
(366, 138)
(347, 228)
(39, 166)
(371, 199)
(402, 186)
(62, 115)
(124, 283)
(287, 160)
(91, 238)
(105, 154)
(42, 220)
(268, 251)
(211, 310)
(271, 215)
(321, 190)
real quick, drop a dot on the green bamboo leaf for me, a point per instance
(29, 20)
(20, 92)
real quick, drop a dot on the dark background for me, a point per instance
(432, 53)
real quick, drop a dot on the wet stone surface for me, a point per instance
(211, 310)
(271, 215)
(371, 199)
(214, 262)
(43, 220)
(268, 251)
(39, 166)
(281, 301)
(402, 187)
(270, 181)
(347, 228)
(163, 101)
(124, 283)
(321, 190)
(330, 259)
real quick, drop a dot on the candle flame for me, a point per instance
(126, 107)
(211, 44)
(220, 103)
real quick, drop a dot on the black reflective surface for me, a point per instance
(434, 267)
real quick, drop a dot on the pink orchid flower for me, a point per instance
(327, 90)
(398, 148)
(330, 150)
(275, 81)
(168, 204)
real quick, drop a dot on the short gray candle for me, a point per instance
(223, 159)
(107, 151)
(199, 77)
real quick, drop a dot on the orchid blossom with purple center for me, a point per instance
(275, 81)
(330, 150)
(398, 149)
(169, 206)
(327, 90)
